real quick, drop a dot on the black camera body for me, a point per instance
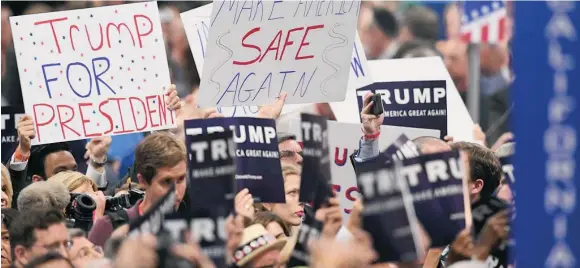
(124, 201)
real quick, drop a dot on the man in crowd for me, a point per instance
(379, 38)
(160, 160)
(290, 150)
(83, 252)
(37, 233)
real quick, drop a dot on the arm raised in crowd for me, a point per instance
(371, 128)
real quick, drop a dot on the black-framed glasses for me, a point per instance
(290, 154)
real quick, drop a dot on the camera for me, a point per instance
(79, 212)
(124, 201)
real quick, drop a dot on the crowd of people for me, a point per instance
(42, 186)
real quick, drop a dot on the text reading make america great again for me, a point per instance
(93, 72)
(258, 49)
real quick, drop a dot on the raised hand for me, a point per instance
(371, 123)
(26, 133)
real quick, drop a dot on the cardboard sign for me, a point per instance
(93, 72)
(387, 216)
(315, 182)
(420, 104)
(261, 49)
(211, 169)
(207, 227)
(436, 182)
(257, 158)
(10, 117)
(481, 211)
(310, 230)
(151, 221)
(420, 69)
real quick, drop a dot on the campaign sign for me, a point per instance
(310, 230)
(93, 72)
(315, 182)
(436, 184)
(481, 211)
(207, 228)
(211, 169)
(257, 158)
(257, 50)
(419, 104)
(150, 222)
(10, 117)
(402, 148)
(386, 216)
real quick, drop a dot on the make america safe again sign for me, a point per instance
(259, 49)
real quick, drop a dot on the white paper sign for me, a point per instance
(360, 76)
(92, 72)
(256, 50)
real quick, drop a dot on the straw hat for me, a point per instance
(255, 241)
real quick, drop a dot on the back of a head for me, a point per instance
(23, 233)
(156, 151)
(50, 259)
(416, 49)
(43, 195)
(431, 145)
(38, 155)
(484, 165)
(37, 8)
(9, 216)
(422, 22)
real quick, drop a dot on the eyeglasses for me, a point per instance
(86, 252)
(290, 154)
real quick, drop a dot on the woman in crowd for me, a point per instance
(6, 188)
(8, 216)
(77, 182)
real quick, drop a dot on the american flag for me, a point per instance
(483, 21)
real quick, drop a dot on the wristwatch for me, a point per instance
(98, 164)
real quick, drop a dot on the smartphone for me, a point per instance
(377, 108)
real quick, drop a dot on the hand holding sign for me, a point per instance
(371, 123)
(97, 148)
(172, 101)
(244, 203)
(191, 252)
(331, 216)
(26, 132)
(273, 111)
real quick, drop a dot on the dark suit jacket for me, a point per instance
(499, 115)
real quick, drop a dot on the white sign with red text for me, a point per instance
(93, 72)
(257, 50)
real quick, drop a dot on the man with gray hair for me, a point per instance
(44, 195)
(419, 23)
(290, 150)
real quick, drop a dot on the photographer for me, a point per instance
(77, 182)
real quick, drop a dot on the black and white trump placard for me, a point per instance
(310, 230)
(211, 169)
(206, 229)
(481, 211)
(257, 158)
(402, 148)
(418, 104)
(10, 117)
(315, 182)
(151, 221)
(388, 213)
(436, 182)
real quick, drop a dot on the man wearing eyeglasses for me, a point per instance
(36, 233)
(290, 149)
(83, 252)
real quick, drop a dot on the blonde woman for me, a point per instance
(7, 191)
(77, 182)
